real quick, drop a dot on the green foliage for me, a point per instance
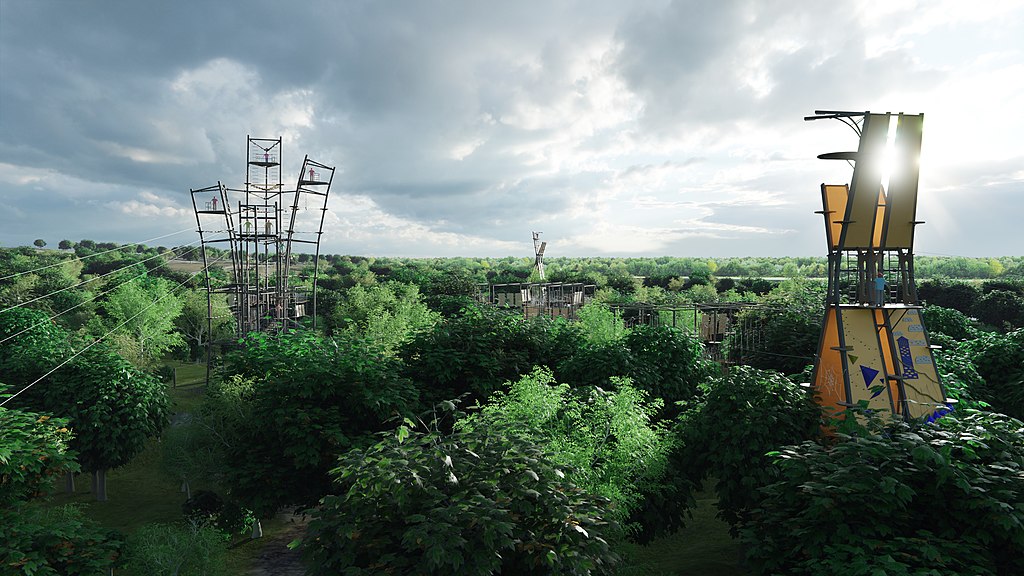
(37, 540)
(111, 406)
(960, 377)
(948, 294)
(33, 451)
(192, 323)
(914, 498)
(610, 438)
(668, 363)
(948, 321)
(141, 315)
(176, 550)
(480, 350)
(745, 414)
(476, 501)
(1000, 308)
(54, 541)
(599, 324)
(999, 359)
(783, 333)
(311, 399)
(385, 314)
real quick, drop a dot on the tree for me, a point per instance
(39, 243)
(311, 399)
(477, 501)
(142, 314)
(192, 322)
(65, 245)
(34, 450)
(110, 405)
(386, 314)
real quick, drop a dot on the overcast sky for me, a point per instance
(639, 128)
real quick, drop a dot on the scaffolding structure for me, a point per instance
(874, 350)
(551, 299)
(260, 224)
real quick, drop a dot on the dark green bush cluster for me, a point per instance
(941, 498)
(472, 502)
(744, 415)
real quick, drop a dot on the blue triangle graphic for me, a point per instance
(868, 374)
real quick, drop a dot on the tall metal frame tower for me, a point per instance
(874, 348)
(260, 224)
(538, 251)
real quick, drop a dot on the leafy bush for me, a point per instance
(999, 359)
(948, 294)
(176, 550)
(948, 321)
(311, 399)
(920, 499)
(611, 439)
(669, 363)
(477, 352)
(51, 541)
(1001, 309)
(745, 414)
(475, 501)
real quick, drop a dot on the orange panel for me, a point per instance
(886, 346)
(867, 182)
(915, 363)
(903, 182)
(833, 198)
(865, 363)
(829, 382)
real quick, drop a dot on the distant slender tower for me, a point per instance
(538, 250)
(874, 349)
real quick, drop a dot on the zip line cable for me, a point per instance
(101, 338)
(96, 254)
(84, 282)
(83, 303)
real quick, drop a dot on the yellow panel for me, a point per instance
(903, 182)
(833, 198)
(867, 182)
(876, 237)
(829, 384)
(865, 364)
(915, 363)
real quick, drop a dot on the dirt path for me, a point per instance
(274, 557)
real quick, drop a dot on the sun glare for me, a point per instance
(888, 161)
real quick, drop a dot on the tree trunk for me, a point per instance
(257, 530)
(187, 489)
(99, 485)
(69, 482)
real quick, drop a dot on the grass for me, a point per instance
(702, 548)
(140, 493)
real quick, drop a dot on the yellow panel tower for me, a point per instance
(874, 349)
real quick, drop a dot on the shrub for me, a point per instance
(311, 399)
(1000, 308)
(745, 414)
(948, 321)
(176, 550)
(610, 438)
(475, 501)
(943, 498)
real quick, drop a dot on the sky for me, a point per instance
(457, 128)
